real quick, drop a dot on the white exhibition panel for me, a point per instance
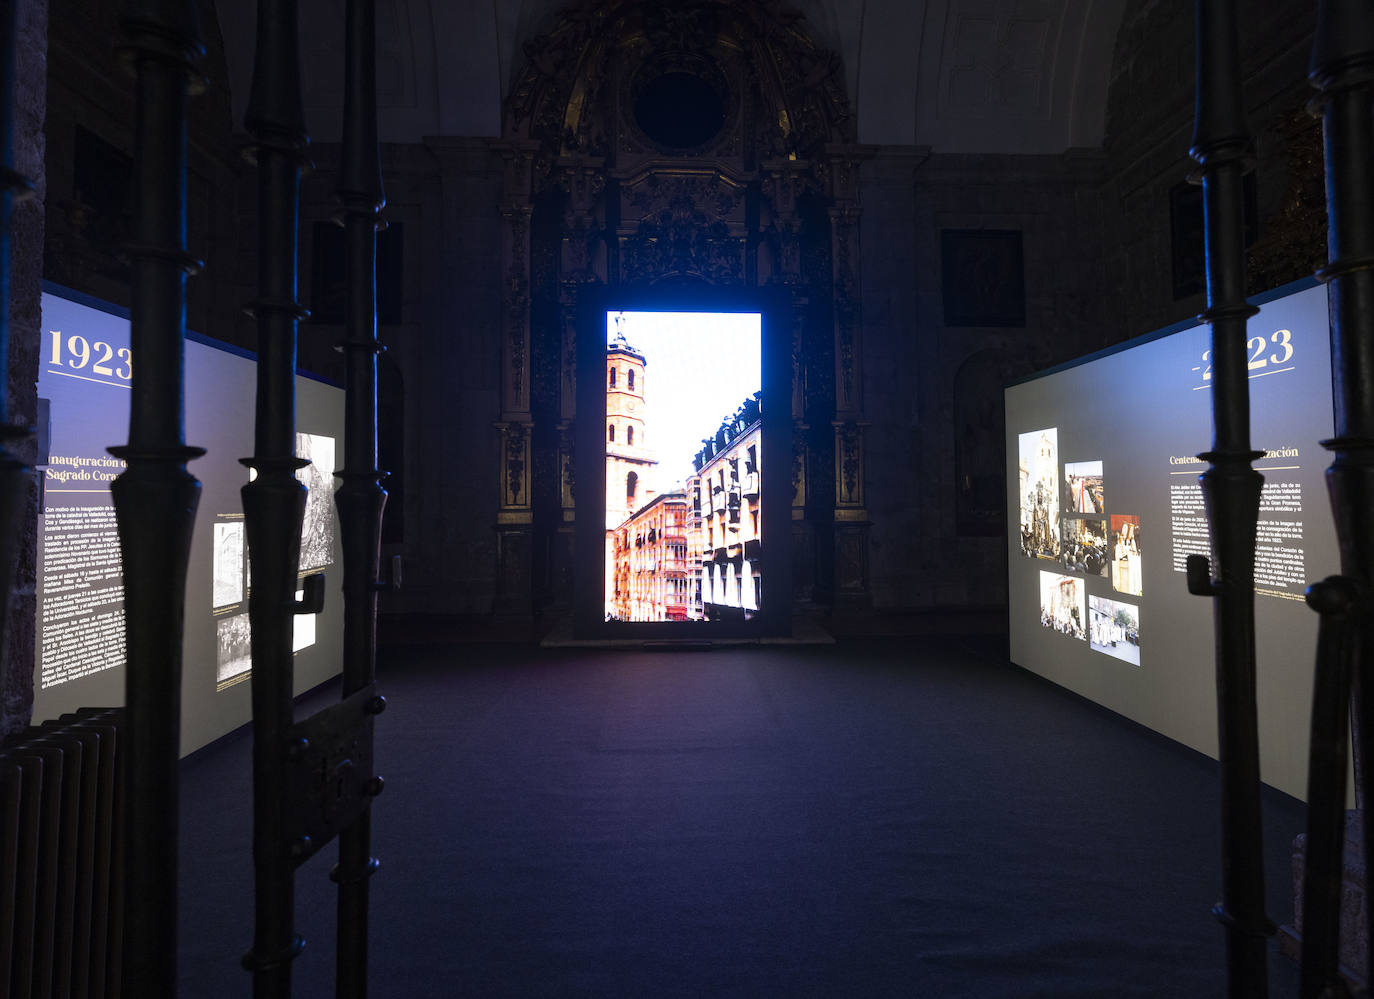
(85, 370)
(1103, 507)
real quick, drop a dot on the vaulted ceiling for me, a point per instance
(958, 76)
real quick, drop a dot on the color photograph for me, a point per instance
(684, 432)
(1062, 606)
(1083, 491)
(1039, 492)
(1083, 547)
(1126, 554)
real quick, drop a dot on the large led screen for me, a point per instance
(683, 453)
(84, 379)
(1105, 508)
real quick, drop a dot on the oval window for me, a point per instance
(680, 110)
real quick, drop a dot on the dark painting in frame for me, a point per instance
(983, 273)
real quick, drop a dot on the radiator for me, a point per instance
(60, 878)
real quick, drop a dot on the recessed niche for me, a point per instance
(679, 110)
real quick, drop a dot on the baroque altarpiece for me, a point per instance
(708, 145)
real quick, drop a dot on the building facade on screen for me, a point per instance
(683, 538)
(726, 496)
(652, 574)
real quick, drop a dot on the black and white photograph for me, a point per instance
(234, 656)
(317, 530)
(1083, 488)
(1062, 604)
(1039, 492)
(1114, 628)
(1083, 545)
(227, 586)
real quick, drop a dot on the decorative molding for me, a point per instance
(849, 464)
(683, 224)
(515, 465)
(996, 64)
(578, 70)
(567, 470)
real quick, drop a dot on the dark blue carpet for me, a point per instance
(890, 818)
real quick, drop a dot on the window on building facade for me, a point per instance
(631, 485)
(610, 433)
(611, 382)
(629, 435)
(630, 379)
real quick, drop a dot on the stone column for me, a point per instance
(851, 515)
(783, 182)
(514, 515)
(582, 262)
(25, 319)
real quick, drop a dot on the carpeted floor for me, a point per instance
(884, 818)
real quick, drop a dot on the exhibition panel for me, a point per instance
(1104, 508)
(84, 377)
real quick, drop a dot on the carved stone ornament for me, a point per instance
(515, 490)
(594, 54)
(517, 298)
(688, 226)
(849, 456)
(798, 466)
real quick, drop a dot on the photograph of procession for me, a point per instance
(683, 441)
(1083, 490)
(1126, 554)
(1083, 545)
(1062, 604)
(1039, 492)
(1114, 628)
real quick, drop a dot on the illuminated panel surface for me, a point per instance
(1104, 507)
(85, 373)
(683, 457)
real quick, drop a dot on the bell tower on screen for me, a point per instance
(631, 466)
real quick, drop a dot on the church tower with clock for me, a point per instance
(630, 463)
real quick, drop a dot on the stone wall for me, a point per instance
(927, 550)
(446, 351)
(1149, 129)
(25, 274)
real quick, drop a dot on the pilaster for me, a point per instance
(514, 516)
(851, 523)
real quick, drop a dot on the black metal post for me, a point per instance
(156, 497)
(274, 500)
(1342, 71)
(1231, 491)
(1340, 603)
(360, 496)
(15, 473)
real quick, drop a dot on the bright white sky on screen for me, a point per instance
(699, 367)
